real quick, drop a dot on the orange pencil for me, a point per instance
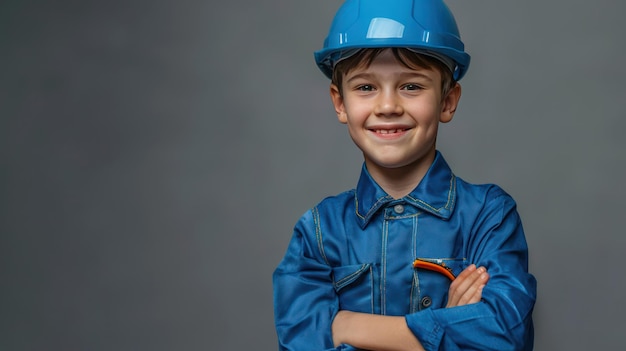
(435, 267)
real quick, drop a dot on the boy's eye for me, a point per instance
(411, 86)
(365, 87)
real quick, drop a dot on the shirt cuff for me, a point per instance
(426, 329)
(429, 326)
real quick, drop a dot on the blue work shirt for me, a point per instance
(355, 251)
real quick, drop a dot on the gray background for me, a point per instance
(155, 156)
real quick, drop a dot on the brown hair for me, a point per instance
(410, 59)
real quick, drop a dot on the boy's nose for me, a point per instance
(388, 105)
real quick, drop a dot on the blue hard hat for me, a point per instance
(425, 26)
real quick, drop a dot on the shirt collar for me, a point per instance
(436, 193)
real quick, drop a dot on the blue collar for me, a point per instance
(436, 193)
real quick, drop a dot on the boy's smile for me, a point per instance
(389, 132)
(393, 113)
(392, 131)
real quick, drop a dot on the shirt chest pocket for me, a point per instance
(354, 286)
(432, 285)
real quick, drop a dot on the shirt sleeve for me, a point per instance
(503, 319)
(305, 302)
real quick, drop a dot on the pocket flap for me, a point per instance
(346, 275)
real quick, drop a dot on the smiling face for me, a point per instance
(393, 111)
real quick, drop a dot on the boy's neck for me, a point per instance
(401, 181)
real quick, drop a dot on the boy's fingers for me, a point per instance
(467, 287)
(467, 278)
(474, 292)
(467, 271)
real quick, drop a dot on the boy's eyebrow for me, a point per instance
(366, 75)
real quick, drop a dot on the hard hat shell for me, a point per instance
(421, 25)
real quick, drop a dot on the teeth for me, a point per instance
(388, 131)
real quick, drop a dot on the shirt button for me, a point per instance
(398, 209)
(426, 301)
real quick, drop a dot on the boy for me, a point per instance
(400, 262)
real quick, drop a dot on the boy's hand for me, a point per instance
(365, 331)
(468, 286)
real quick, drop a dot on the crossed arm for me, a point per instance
(390, 333)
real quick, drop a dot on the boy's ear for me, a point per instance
(337, 99)
(450, 103)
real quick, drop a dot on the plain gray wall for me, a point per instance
(155, 156)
